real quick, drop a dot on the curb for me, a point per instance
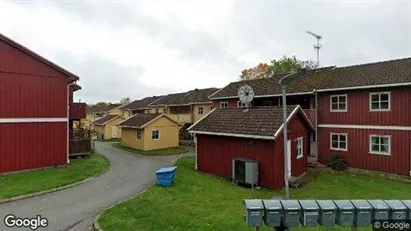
(51, 190)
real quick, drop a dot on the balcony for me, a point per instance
(310, 114)
(77, 111)
(181, 118)
(79, 142)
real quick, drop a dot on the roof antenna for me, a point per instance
(317, 47)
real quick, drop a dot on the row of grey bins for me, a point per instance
(310, 213)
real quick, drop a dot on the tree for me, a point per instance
(99, 104)
(275, 67)
(125, 101)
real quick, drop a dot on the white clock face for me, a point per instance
(246, 94)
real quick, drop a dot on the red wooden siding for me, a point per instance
(215, 154)
(15, 61)
(25, 96)
(359, 109)
(32, 145)
(310, 114)
(77, 110)
(358, 155)
(231, 103)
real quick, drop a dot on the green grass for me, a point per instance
(158, 152)
(110, 140)
(197, 201)
(40, 180)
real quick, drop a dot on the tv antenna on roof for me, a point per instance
(246, 95)
(316, 47)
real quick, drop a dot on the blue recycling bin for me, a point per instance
(165, 176)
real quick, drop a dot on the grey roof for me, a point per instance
(104, 119)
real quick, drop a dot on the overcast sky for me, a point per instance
(144, 48)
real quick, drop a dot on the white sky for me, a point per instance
(144, 48)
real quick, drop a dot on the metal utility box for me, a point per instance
(309, 213)
(291, 213)
(408, 204)
(398, 211)
(272, 213)
(363, 214)
(380, 210)
(326, 214)
(245, 171)
(345, 213)
(254, 212)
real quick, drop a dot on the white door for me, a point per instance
(289, 157)
(114, 132)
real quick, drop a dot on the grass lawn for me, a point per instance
(200, 202)
(158, 152)
(40, 180)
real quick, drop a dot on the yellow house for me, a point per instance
(97, 112)
(106, 127)
(149, 131)
(139, 106)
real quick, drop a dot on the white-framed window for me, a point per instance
(200, 110)
(338, 103)
(139, 132)
(155, 134)
(380, 144)
(241, 104)
(223, 104)
(339, 141)
(380, 101)
(300, 147)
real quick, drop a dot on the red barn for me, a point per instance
(256, 133)
(35, 119)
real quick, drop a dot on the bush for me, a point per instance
(337, 162)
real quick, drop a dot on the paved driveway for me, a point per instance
(74, 208)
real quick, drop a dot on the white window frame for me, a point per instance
(200, 112)
(155, 130)
(338, 103)
(241, 104)
(300, 147)
(379, 101)
(141, 133)
(223, 102)
(380, 153)
(338, 141)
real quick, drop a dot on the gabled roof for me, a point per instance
(142, 103)
(391, 72)
(258, 122)
(379, 74)
(186, 98)
(105, 119)
(141, 120)
(102, 108)
(72, 77)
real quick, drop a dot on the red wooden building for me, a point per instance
(362, 112)
(35, 118)
(256, 133)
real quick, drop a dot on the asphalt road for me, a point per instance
(75, 208)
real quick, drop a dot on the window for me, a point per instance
(139, 134)
(155, 134)
(156, 110)
(380, 101)
(380, 144)
(267, 102)
(241, 104)
(300, 147)
(223, 104)
(160, 110)
(338, 103)
(338, 141)
(200, 110)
